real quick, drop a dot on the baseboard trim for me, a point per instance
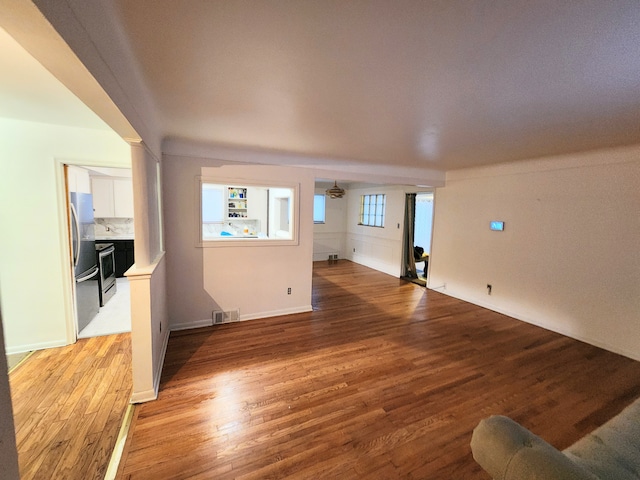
(551, 328)
(243, 318)
(189, 325)
(158, 373)
(277, 313)
(35, 346)
(145, 396)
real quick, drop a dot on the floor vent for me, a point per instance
(225, 316)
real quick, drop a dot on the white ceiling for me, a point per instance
(444, 84)
(29, 92)
(385, 86)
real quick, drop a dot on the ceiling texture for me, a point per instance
(379, 86)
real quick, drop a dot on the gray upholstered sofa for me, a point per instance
(508, 451)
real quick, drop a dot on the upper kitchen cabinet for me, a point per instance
(78, 179)
(112, 197)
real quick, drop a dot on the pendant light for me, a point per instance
(335, 191)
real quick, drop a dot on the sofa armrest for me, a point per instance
(508, 451)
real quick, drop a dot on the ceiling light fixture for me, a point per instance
(335, 191)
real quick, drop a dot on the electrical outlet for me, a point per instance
(354, 249)
(489, 287)
(289, 291)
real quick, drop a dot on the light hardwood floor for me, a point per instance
(383, 380)
(68, 406)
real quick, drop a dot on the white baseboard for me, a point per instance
(189, 325)
(243, 318)
(320, 256)
(146, 396)
(160, 364)
(276, 313)
(152, 394)
(35, 346)
(546, 326)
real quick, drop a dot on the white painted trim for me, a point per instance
(67, 280)
(194, 324)
(146, 396)
(537, 323)
(36, 346)
(243, 318)
(248, 242)
(143, 278)
(324, 256)
(160, 364)
(276, 313)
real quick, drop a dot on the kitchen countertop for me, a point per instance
(114, 237)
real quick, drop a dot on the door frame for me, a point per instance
(68, 281)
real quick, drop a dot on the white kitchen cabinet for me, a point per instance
(102, 190)
(123, 197)
(78, 179)
(257, 207)
(112, 197)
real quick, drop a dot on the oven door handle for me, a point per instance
(106, 251)
(88, 276)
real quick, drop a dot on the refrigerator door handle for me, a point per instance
(93, 273)
(76, 223)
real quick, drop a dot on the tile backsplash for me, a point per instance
(108, 227)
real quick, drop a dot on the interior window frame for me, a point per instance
(324, 209)
(241, 241)
(373, 208)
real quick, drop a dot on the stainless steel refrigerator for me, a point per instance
(84, 258)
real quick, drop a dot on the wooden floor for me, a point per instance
(68, 406)
(383, 380)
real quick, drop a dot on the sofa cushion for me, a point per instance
(612, 451)
(508, 451)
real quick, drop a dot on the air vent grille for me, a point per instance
(226, 316)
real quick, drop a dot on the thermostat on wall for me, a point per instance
(497, 226)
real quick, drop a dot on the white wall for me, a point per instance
(568, 259)
(330, 237)
(149, 327)
(378, 248)
(252, 278)
(149, 314)
(35, 272)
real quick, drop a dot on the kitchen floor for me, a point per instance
(114, 317)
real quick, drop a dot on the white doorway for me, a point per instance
(423, 228)
(110, 192)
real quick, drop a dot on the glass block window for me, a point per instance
(372, 210)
